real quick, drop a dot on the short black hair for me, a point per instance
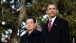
(51, 4)
(30, 17)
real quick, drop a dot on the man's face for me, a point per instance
(51, 10)
(30, 25)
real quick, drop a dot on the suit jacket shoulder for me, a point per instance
(34, 37)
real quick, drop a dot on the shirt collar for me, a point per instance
(34, 32)
(52, 19)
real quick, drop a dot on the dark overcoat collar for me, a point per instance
(34, 32)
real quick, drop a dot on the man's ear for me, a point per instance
(35, 24)
(57, 11)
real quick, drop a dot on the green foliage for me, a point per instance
(66, 6)
(8, 15)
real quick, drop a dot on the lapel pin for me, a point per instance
(55, 24)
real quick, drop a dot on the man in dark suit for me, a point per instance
(58, 31)
(33, 35)
(1, 41)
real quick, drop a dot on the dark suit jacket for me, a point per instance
(59, 32)
(1, 41)
(34, 37)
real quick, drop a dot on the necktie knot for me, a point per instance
(50, 21)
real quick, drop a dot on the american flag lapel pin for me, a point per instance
(55, 24)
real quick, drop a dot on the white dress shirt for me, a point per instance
(52, 20)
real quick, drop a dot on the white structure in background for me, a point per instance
(23, 25)
(23, 32)
(22, 28)
(9, 31)
(44, 17)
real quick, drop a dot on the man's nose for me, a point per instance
(52, 10)
(29, 24)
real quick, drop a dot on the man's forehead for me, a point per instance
(51, 6)
(29, 20)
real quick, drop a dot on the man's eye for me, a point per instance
(54, 8)
(50, 8)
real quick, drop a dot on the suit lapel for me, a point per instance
(46, 27)
(54, 25)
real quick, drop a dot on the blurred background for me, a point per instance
(14, 12)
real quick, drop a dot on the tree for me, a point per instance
(20, 19)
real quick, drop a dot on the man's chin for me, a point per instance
(52, 16)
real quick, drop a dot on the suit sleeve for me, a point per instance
(66, 32)
(20, 40)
